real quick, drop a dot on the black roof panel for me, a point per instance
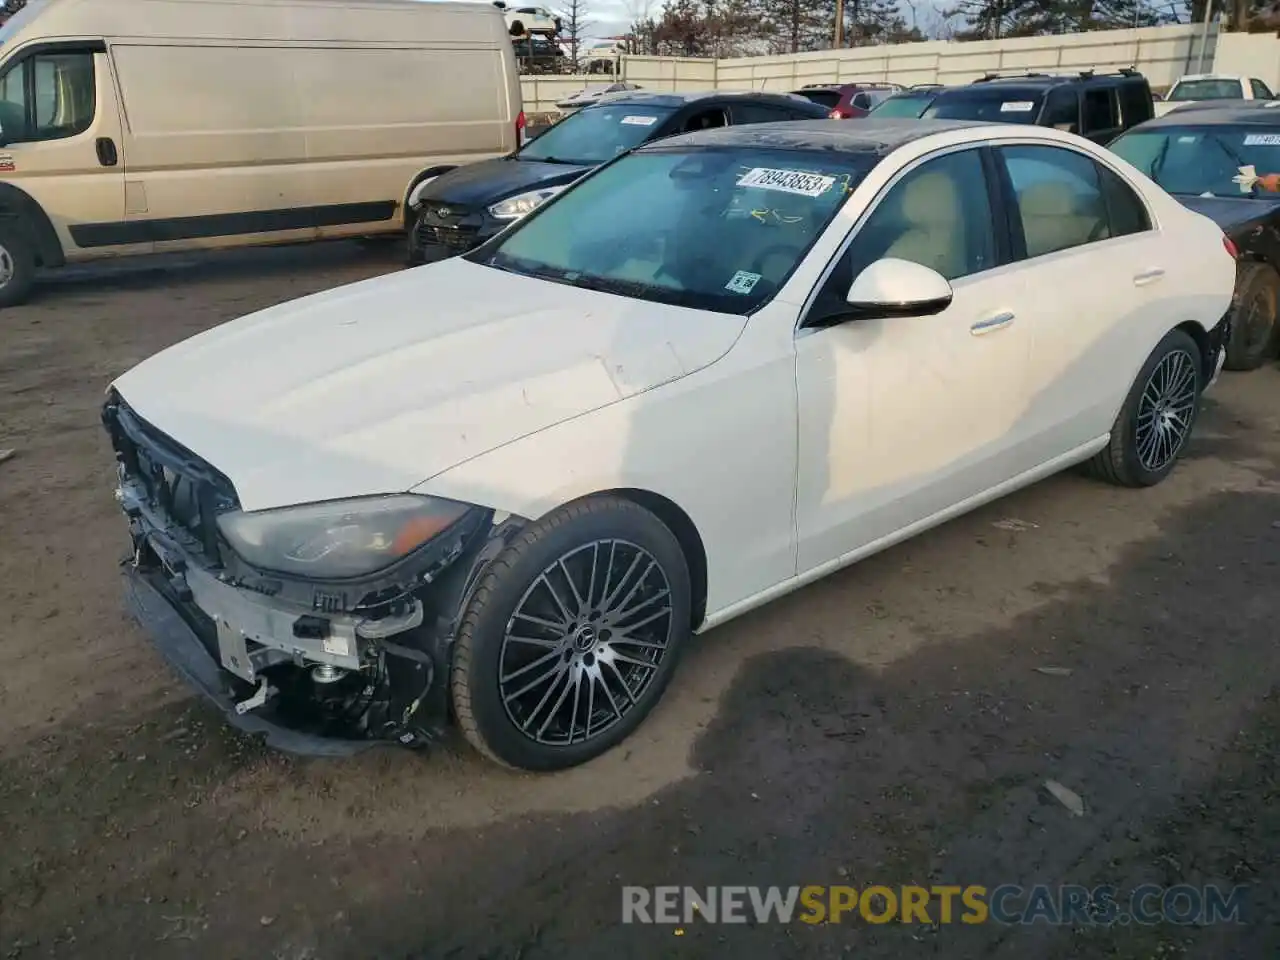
(1264, 113)
(868, 135)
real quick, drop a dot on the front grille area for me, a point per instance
(183, 489)
(456, 239)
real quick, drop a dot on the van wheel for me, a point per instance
(1254, 328)
(17, 266)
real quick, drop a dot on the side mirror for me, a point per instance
(898, 288)
(890, 288)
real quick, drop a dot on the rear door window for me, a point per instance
(1062, 110)
(758, 113)
(1059, 198)
(1101, 113)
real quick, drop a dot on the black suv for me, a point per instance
(1099, 106)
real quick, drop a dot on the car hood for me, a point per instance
(492, 180)
(1232, 213)
(377, 386)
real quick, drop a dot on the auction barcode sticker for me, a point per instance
(787, 181)
(1017, 106)
(1262, 140)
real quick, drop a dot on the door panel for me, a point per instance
(57, 104)
(901, 418)
(1088, 235)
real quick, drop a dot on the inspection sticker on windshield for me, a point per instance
(639, 121)
(787, 181)
(742, 282)
(1262, 140)
(1017, 106)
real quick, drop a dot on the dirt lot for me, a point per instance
(887, 725)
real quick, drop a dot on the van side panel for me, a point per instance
(208, 140)
(374, 117)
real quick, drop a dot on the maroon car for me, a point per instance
(848, 100)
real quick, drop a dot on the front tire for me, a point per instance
(572, 635)
(1254, 329)
(1155, 423)
(17, 266)
(413, 254)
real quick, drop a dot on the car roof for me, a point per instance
(852, 85)
(649, 98)
(1039, 82)
(1211, 76)
(868, 135)
(1263, 113)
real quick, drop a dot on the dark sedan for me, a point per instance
(459, 209)
(1211, 159)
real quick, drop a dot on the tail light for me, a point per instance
(837, 114)
(1231, 247)
(521, 123)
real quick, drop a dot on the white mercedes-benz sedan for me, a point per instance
(505, 489)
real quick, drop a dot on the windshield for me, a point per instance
(1002, 106)
(903, 106)
(714, 229)
(596, 134)
(1206, 90)
(1202, 160)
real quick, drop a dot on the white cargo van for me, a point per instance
(137, 126)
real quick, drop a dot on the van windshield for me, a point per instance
(596, 134)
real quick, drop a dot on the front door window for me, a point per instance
(47, 97)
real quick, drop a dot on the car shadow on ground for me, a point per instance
(816, 770)
(250, 264)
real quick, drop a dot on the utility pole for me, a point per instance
(839, 24)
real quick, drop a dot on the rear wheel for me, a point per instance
(1155, 423)
(572, 635)
(1254, 327)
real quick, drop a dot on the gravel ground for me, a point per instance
(887, 725)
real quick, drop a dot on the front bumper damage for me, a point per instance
(321, 669)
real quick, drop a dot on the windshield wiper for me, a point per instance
(568, 163)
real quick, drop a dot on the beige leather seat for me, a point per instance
(1052, 219)
(932, 222)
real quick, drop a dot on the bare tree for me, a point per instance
(573, 27)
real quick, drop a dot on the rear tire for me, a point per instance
(1156, 420)
(17, 266)
(579, 623)
(1254, 328)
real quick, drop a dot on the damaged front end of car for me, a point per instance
(324, 628)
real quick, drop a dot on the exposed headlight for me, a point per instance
(339, 538)
(513, 208)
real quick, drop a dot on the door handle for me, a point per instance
(998, 322)
(107, 155)
(1147, 276)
